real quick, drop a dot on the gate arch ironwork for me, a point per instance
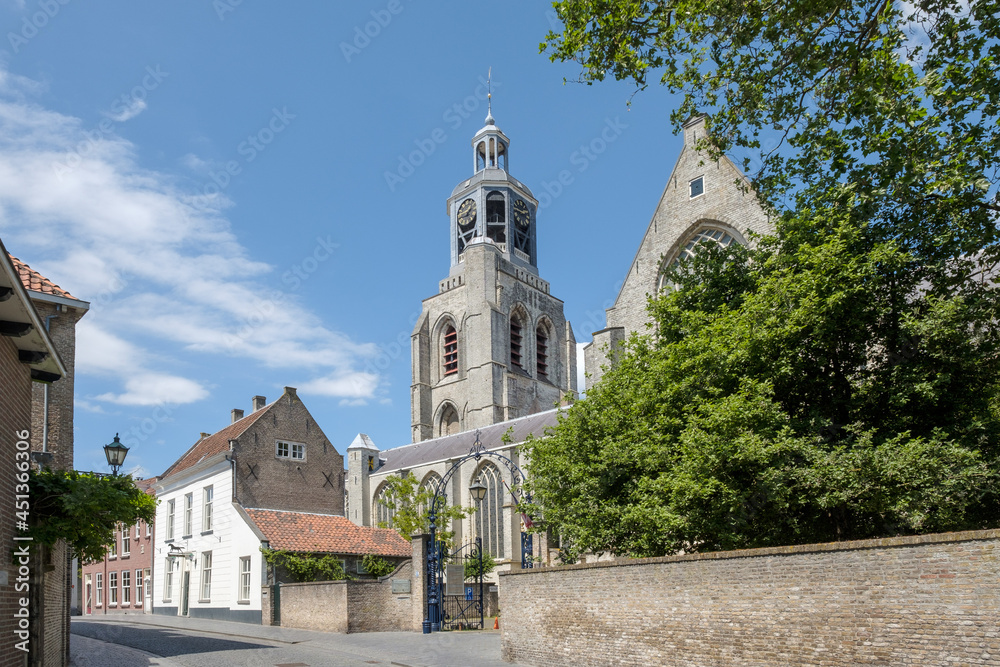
(433, 616)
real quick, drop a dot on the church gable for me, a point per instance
(704, 200)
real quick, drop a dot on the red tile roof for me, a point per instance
(325, 533)
(36, 282)
(210, 445)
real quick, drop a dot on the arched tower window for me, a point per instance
(516, 340)
(496, 216)
(488, 518)
(703, 236)
(542, 351)
(449, 423)
(385, 507)
(450, 351)
(480, 156)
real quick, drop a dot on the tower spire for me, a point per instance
(489, 97)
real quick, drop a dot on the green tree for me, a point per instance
(838, 380)
(409, 504)
(473, 570)
(377, 566)
(302, 567)
(84, 509)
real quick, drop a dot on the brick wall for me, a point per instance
(926, 600)
(15, 416)
(349, 606)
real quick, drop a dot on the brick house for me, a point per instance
(120, 583)
(27, 355)
(55, 314)
(207, 560)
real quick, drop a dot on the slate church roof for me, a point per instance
(453, 446)
(326, 533)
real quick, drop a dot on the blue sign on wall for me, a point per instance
(468, 592)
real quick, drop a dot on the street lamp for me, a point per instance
(478, 489)
(115, 452)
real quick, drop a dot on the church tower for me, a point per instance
(492, 344)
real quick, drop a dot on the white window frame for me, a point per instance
(99, 588)
(286, 449)
(206, 577)
(112, 589)
(138, 587)
(126, 541)
(207, 495)
(244, 591)
(126, 587)
(168, 581)
(113, 549)
(149, 529)
(188, 513)
(691, 187)
(171, 504)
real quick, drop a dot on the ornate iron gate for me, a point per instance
(464, 610)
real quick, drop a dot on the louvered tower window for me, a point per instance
(515, 342)
(450, 351)
(542, 352)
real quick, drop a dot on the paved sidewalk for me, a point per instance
(403, 648)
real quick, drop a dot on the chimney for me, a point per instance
(258, 402)
(237, 415)
(204, 435)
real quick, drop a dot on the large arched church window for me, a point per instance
(449, 352)
(427, 488)
(488, 518)
(449, 423)
(703, 236)
(496, 216)
(385, 507)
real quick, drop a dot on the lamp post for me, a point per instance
(115, 452)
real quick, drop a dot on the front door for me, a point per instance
(88, 611)
(147, 581)
(185, 586)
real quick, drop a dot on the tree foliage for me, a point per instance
(473, 569)
(409, 504)
(839, 379)
(377, 566)
(84, 509)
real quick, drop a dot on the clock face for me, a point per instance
(467, 214)
(521, 215)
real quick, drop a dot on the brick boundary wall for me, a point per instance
(367, 605)
(923, 600)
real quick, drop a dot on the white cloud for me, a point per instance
(167, 277)
(148, 388)
(135, 107)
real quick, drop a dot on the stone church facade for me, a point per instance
(493, 356)
(704, 201)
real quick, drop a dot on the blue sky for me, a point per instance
(252, 195)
